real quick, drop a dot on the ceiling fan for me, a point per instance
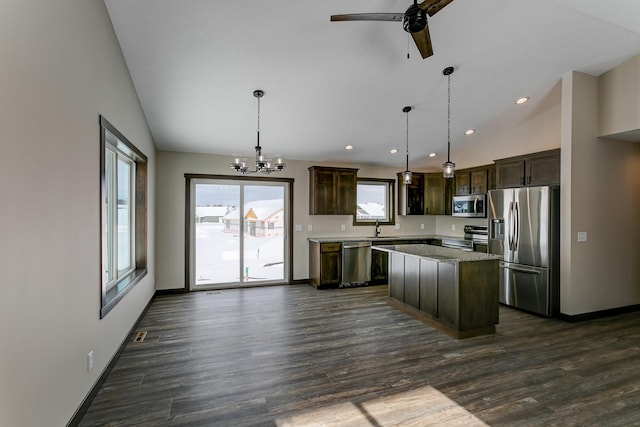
(414, 21)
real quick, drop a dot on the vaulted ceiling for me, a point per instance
(196, 63)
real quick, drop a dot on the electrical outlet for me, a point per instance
(397, 227)
(582, 236)
(453, 227)
(90, 361)
(309, 227)
(343, 227)
(421, 226)
(298, 227)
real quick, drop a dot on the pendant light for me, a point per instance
(448, 166)
(262, 165)
(406, 175)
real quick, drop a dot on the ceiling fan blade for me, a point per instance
(423, 42)
(433, 6)
(368, 17)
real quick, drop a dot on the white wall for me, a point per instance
(61, 68)
(600, 195)
(538, 130)
(619, 99)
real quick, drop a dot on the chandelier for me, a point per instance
(262, 165)
(448, 166)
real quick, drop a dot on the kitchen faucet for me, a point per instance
(377, 229)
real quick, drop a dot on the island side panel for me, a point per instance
(448, 289)
(396, 276)
(314, 264)
(429, 287)
(478, 293)
(412, 281)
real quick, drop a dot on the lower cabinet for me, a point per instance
(379, 267)
(481, 247)
(325, 264)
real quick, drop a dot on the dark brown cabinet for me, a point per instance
(463, 182)
(379, 267)
(482, 179)
(332, 191)
(476, 180)
(411, 196)
(428, 194)
(325, 264)
(533, 169)
(437, 194)
(481, 247)
(543, 169)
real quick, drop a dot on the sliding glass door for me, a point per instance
(237, 232)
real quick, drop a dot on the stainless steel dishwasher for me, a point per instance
(356, 263)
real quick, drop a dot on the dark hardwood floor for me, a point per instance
(297, 356)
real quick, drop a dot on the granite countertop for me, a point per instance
(380, 238)
(438, 253)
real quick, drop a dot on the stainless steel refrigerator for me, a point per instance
(524, 227)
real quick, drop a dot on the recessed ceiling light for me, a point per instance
(393, 151)
(469, 131)
(433, 154)
(349, 147)
(522, 100)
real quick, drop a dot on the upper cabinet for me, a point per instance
(411, 197)
(541, 168)
(332, 191)
(428, 194)
(437, 194)
(476, 180)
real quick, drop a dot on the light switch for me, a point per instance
(582, 236)
(309, 227)
(397, 227)
(298, 227)
(421, 226)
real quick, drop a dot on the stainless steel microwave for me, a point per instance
(474, 206)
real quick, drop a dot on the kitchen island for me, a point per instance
(326, 253)
(452, 290)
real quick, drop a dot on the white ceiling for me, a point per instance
(195, 64)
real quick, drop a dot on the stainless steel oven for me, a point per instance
(473, 206)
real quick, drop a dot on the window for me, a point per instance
(374, 201)
(123, 215)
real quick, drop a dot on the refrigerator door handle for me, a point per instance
(510, 218)
(516, 238)
(520, 269)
